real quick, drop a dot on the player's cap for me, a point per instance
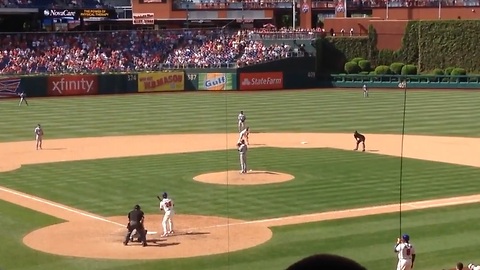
(137, 207)
(406, 237)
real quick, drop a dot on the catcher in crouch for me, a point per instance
(359, 138)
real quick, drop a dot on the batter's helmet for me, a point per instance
(164, 195)
(406, 237)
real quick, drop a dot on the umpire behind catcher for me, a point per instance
(135, 222)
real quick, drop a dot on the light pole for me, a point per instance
(188, 14)
(439, 9)
(386, 16)
(294, 13)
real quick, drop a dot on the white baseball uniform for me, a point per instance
(472, 266)
(38, 136)
(405, 252)
(241, 122)
(365, 91)
(167, 206)
(244, 136)
(242, 150)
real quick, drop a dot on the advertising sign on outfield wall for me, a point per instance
(216, 81)
(72, 85)
(161, 81)
(9, 86)
(261, 81)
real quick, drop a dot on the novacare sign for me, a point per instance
(59, 13)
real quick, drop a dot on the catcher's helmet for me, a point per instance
(164, 195)
(406, 237)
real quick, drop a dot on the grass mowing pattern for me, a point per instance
(326, 179)
(428, 112)
(329, 178)
(441, 236)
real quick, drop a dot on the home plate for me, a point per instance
(149, 232)
(303, 142)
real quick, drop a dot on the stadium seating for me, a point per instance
(73, 52)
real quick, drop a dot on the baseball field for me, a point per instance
(64, 207)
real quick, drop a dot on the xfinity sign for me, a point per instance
(59, 13)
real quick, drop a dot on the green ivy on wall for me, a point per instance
(428, 45)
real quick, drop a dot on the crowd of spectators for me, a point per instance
(285, 33)
(73, 52)
(227, 50)
(84, 52)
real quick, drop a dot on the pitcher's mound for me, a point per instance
(249, 178)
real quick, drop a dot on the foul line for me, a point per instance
(350, 213)
(73, 210)
(307, 218)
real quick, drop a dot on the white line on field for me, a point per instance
(59, 206)
(411, 205)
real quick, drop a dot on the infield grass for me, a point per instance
(326, 179)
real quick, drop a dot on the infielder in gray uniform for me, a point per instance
(242, 150)
(241, 121)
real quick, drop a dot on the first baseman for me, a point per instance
(359, 138)
(39, 136)
(241, 121)
(242, 150)
(406, 253)
(166, 205)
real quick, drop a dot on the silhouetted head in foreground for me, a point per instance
(326, 262)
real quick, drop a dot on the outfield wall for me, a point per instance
(217, 80)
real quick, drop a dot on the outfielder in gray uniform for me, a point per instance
(242, 150)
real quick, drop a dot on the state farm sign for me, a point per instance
(72, 85)
(261, 81)
(143, 18)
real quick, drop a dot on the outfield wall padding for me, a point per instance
(103, 84)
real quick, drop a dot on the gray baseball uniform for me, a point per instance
(242, 149)
(241, 121)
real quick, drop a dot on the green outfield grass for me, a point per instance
(428, 112)
(326, 179)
